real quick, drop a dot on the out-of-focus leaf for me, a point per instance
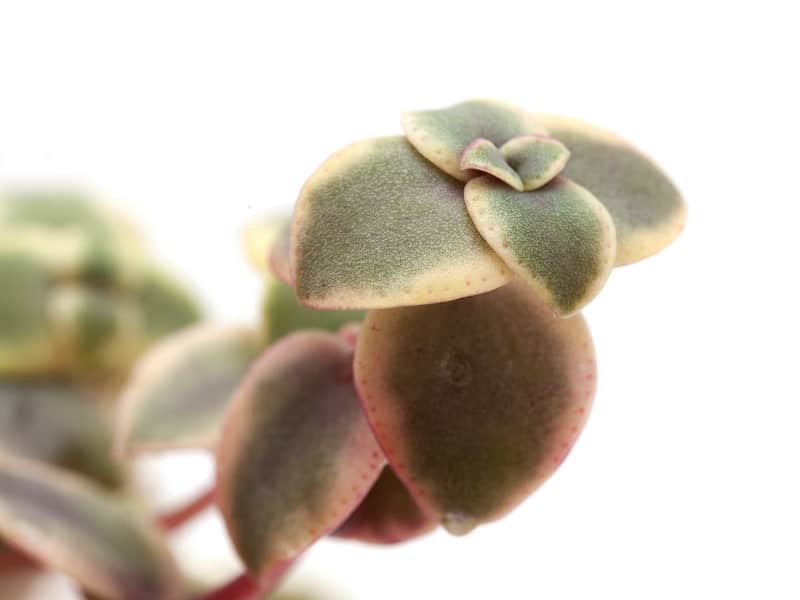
(647, 209)
(72, 526)
(377, 225)
(482, 155)
(98, 330)
(57, 423)
(442, 135)
(24, 335)
(259, 238)
(296, 455)
(166, 306)
(557, 238)
(280, 255)
(536, 158)
(283, 314)
(180, 388)
(477, 401)
(387, 515)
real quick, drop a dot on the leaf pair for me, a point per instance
(383, 222)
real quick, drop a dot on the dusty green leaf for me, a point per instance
(442, 135)
(70, 525)
(557, 238)
(475, 402)
(24, 331)
(377, 225)
(482, 155)
(165, 304)
(283, 313)
(536, 158)
(59, 424)
(387, 515)
(647, 208)
(180, 388)
(296, 456)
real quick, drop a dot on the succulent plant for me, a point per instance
(80, 299)
(466, 249)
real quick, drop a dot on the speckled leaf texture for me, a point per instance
(72, 526)
(536, 158)
(296, 455)
(378, 225)
(180, 388)
(60, 424)
(482, 155)
(475, 402)
(647, 208)
(442, 135)
(388, 514)
(558, 238)
(283, 314)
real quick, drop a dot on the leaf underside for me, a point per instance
(69, 525)
(475, 402)
(296, 456)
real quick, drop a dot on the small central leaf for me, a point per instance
(537, 159)
(483, 155)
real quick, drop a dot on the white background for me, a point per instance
(685, 483)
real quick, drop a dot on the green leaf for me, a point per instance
(388, 514)
(297, 455)
(475, 402)
(377, 225)
(536, 158)
(443, 135)
(283, 313)
(483, 155)
(558, 238)
(72, 526)
(646, 207)
(165, 304)
(180, 388)
(24, 334)
(59, 424)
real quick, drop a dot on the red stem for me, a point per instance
(175, 519)
(245, 587)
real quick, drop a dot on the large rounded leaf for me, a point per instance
(475, 402)
(283, 314)
(442, 135)
(387, 515)
(68, 524)
(558, 238)
(296, 454)
(647, 208)
(180, 389)
(57, 423)
(377, 225)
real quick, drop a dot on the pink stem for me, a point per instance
(175, 519)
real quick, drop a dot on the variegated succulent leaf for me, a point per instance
(180, 388)
(647, 209)
(60, 424)
(387, 515)
(537, 159)
(378, 225)
(443, 135)
(68, 524)
(283, 313)
(557, 238)
(475, 402)
(296, 455)
(482, 155)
